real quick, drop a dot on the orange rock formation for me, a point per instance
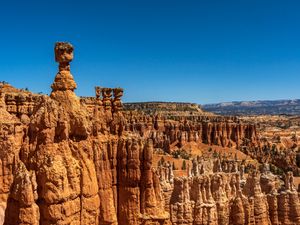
(71, 160)
(62, 165)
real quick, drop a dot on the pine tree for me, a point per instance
(183, 165)
(162, 161)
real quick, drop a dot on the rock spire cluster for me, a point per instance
(66, 164)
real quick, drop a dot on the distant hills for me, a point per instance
(167, 108)
(288, 107)
(236, 108)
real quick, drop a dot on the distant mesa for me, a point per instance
(167, 108)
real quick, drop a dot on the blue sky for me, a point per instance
(201, 51)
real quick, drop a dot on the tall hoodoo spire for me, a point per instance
(64, 79)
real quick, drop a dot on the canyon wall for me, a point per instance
(168, 131)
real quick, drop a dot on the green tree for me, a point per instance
(162, 161)
(173, 166)
(183, 165)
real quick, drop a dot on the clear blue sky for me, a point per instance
(200, 51)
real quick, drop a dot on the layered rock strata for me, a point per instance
(177, 131)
